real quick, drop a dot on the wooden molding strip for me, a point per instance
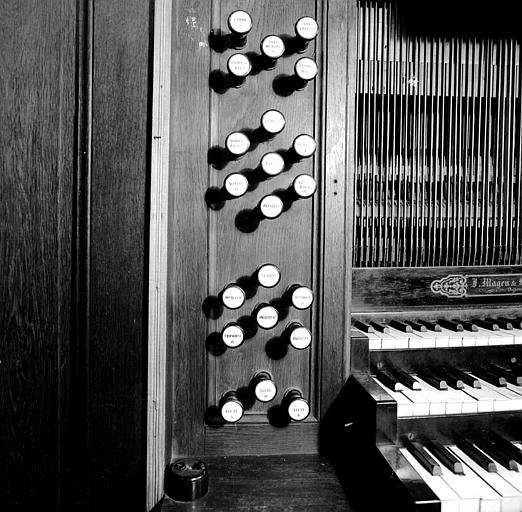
(157, 326)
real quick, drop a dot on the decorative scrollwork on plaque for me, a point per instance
(453, 286)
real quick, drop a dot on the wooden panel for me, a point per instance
(271, 484)
(207, 247)
(337, 198)
(118, 282)
(187, 275)
(252, 439)
(37, 108)
(287, 241)
(385, 289)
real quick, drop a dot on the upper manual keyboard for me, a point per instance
(421, 334)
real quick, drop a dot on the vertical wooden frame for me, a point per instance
(187, 229)
(157, 445)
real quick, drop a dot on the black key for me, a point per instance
(515, 322)
(490, 377)
(485, 324)
(445, 457)
(509, 375)
(503, 324)
(405, 378)
(466, 378)
(389, 380)
(497, 454)
(506, 445)
(433, 379)
(451, 378)
(401, 326)
(380, 327)
(477, 456)
(469, 326)
(416, 326)
(431, 326)
(424, 458)
(362, 326)
(452, 326)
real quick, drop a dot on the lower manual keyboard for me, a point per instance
(422, 398)
(470, 477)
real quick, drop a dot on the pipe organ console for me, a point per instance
(345, 248)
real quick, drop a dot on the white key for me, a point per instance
(468, 403)
(422, 405)
(404, 405)
(454, 338)
(449, 501)
(500, 401)
(374, 342)
(425, 339)
(502, 337)
(484, 337)
(442, 338)
(485, 402)
(463, 486)
(511, 500)
(490, 500)
(517, 336)
(402, 338)
(514, 400)
(512, 477)
(514, 388)
(469, 338)
(388, 340)
(452, 404)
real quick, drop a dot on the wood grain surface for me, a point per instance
(37, 109)
(209, 250)
(187, 272)
(118, 231)
(271, 484)
(286, 241)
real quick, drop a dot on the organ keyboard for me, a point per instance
(442, 333)
(432, 408)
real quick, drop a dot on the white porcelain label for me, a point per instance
(302, 297)
(265, 391)
(236, 184)
(240, 22)
(304, 185)
(306, 68)
(233, 297)
(300, 338)
(239, 65)
(267, 317)
(271, 206)
(232, 411)
(268, 276)
(238, 143)
(298, 410)
(273, 47)
(232, 336)
(273, 121)
(307, 28)
(272, 164)
(304, 145)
